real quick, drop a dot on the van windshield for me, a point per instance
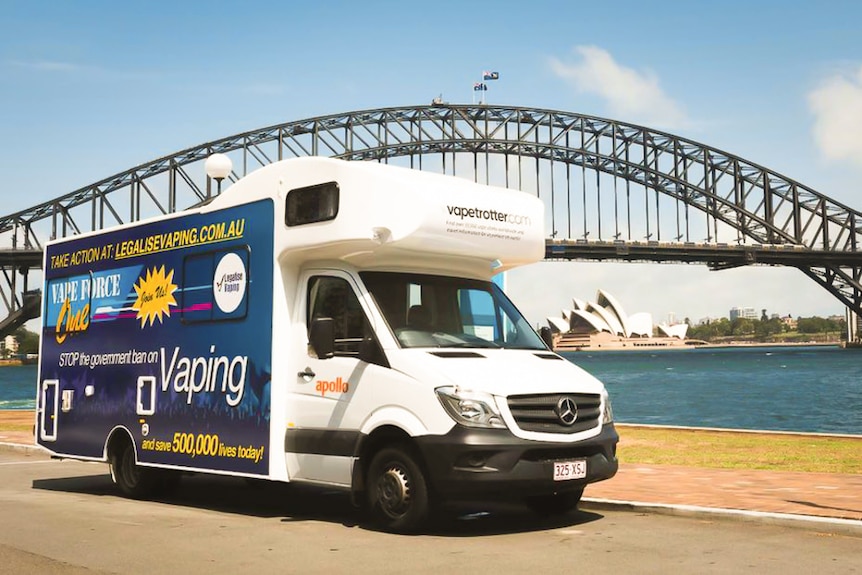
(438, 311)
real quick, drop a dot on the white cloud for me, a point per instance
(837, 107)
(628, 93)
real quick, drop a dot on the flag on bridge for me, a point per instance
(480, 87)
(490, 75)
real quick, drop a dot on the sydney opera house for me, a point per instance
(603, 324)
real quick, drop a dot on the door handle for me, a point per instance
(306, 374)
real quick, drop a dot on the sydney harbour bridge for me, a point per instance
(612, 191)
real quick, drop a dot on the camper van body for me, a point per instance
(320, 321)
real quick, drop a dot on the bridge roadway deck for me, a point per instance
(23, 258)
(719, 255)
(818, 496)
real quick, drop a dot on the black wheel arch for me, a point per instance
(117, 440)
(370, 444)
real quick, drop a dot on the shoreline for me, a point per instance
(18, 362)
(692, 346)
(767, 344)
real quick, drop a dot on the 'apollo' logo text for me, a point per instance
(337, 386)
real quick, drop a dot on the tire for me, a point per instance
(133, 480)
(555, 504)
(397, 490)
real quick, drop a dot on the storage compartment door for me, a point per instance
(48, 406)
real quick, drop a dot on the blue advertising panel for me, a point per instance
(164, 329)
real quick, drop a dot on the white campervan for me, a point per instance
(327, 322)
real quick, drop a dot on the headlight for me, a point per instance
(470, 408)
(607, 412)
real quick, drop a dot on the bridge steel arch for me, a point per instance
(613, 190)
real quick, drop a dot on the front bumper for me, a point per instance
(492, 463)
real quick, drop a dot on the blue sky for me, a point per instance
(92, 88)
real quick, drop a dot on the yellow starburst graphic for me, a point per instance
(155, 295)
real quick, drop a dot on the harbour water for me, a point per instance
(18, 387)
(807, 389)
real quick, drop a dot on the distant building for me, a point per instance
(9, 346)
(604, 324)
(743, 313)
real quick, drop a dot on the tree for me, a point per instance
(711, 330)
(818, 325)
(742, 326)
(770, 327)
(28, 342)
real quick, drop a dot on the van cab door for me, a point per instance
(330, 394)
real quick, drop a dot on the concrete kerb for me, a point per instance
(834, 525)
(21, 447)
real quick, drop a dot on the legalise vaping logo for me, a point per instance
(229, 282)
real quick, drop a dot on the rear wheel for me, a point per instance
(555, 504)
(132, 479)
(397, 490)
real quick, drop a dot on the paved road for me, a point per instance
(65, 517)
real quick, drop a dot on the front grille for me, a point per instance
(536, 412)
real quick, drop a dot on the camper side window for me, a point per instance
(311, 204)
(334, 298)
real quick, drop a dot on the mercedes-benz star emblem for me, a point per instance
(567, 410)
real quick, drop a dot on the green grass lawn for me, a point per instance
(690, 448)
(739, 450)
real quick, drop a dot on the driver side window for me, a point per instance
(333, 297)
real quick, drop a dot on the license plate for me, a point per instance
(565, 470)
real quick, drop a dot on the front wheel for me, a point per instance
(397, 490)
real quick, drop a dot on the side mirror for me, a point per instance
(322, 337)
(547, 336)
